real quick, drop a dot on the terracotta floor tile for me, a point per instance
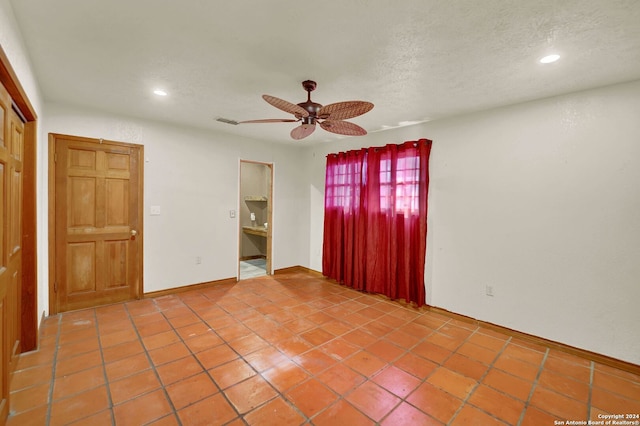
(385, 350)
(78, 382)
(454, 383)
(190, 390)
(121, 351)
(250, 394)
(432, 352)
(342, 413)
(402, 339)
(311, 397)
(78, 347)
(118, 337)
(247, 344)
(299, 325)
(34, 417)
(363, 360)
(142, 409)
(613, 403)
(216, 356)
(559, 405)
(34, 359)
(168, 353)
(77, 335)
(517, 367)
(535, 417)
(396, 381)
(160, 340)
(418, 366)
(275, 412)
(508, 384)
(616, 384)
(78, 363)
(406, 414)
(466, 366)
(365, 363)
(182, 368)
(523, 354)
(450, 343)
(79, 406)
(479, 353)
(203, 341)
(373, 400)
(554, 353)
(294, 346)
(336, 327)
(472, 416)
(231, 373)
(29, 398)
(127, 366)
(317, 336)
(154, 327)
(265, 358)
(169, 420)
(564, 385)
(193, 330)
(315, 361)
(341, 379)
(566, 368)
(285, 375)
(434, 402)
(133, 386)
(102, 418)
(499, 405)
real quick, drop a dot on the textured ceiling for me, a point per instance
(416, 60)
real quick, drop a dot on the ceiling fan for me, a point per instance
(330, 117)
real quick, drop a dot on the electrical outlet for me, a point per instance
(198, 260)
(489, 290)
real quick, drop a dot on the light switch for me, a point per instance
(155, 210)
(232, 214)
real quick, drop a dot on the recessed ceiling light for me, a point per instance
(549, 59)
(160, 92)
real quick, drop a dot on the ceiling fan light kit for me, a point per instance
(330, 117)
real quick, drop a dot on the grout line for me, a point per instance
(104, 369)
(153, 367)
(592, 366)
(533, 387)
(53, 370)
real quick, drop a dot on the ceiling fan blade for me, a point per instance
(344, 110)
(302, 131)
(270, 120)
(343, 128)
(285, 106)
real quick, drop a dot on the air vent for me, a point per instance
(226, 120)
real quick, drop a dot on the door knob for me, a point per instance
(134, 232)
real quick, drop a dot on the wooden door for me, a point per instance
(11, 157)
(98, 222)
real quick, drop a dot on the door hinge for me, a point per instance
(55, 286)
(55, 157)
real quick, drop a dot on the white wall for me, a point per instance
(193, 175)
(541, 201)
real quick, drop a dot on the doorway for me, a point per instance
(96, 195)
(255, 219)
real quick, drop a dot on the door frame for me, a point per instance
(29, 291)
(269, 216)
(53, 294)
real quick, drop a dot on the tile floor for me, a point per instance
(253, 268)
(295, 349)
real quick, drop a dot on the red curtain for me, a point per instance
(375, 219)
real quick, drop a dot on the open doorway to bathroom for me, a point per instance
(256, 206)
